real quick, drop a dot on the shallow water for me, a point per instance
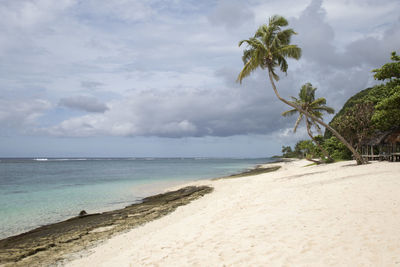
(34, 192)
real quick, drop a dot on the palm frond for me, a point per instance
(289, 112)
(248, 68)
(285, 36)
(298, 122)
(252, 57)
(274, 75)
(326, 109)
(282, 63)
(318, 102)
(317, 127)
(246, 55)
(316, 113)
(291, 51)
(243, 41)
(277, 20)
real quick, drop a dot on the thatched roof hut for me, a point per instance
(393, 137)
(377, 139)
(383, 145)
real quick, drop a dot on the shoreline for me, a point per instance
(320, 215)
(119, 183)
(338, 214)
(46, 244)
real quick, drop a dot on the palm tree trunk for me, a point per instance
(313, 160)
(316, 142)
(357, 156)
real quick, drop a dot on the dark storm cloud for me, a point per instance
(179, 113)
(338, 73)
(84, 103)
(316, 37)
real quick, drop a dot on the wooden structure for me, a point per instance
(384, 146)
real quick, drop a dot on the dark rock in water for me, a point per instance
(256, 171)
(82, 213)
(46, 245)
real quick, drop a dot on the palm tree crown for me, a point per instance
(269, 48)
(314, 107)
(308, 103)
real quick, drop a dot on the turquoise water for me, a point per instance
(35, 192)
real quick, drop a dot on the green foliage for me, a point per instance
(389, 70)
(385, 99)
(320, 139)
(269, 48)
(305, 148)
(287, 152)
(357, 98)
(308, 103)
(356, 124)
(387, 112)
(337, 149)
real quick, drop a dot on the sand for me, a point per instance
(327, 215)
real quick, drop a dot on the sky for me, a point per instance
(157, 78)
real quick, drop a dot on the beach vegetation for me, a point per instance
(305, 149)
(287, 152)
(308, 150)
(356, 123)
(316, 107)
(268, 49)
(337, 149)
(390, 70)
(372, 110)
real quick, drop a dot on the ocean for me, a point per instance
(35, 192)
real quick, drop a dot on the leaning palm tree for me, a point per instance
(313, 106)
(268, 49)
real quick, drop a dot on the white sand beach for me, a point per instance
(328, 215)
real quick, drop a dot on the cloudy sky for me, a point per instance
(157, 77)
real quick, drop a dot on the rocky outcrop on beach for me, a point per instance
(256, 171)
(51, 243)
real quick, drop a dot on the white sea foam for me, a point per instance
(41, 159)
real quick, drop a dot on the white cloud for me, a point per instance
(28, 14)
(123, 10)
(231, 14)
(21, 114)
